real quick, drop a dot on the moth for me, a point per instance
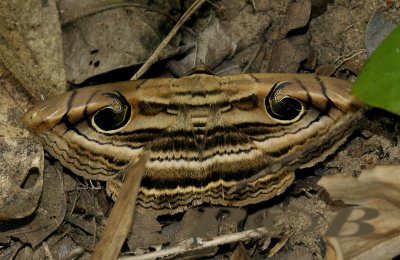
(230, 140)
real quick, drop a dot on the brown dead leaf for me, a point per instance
(21, 177)
(11, 251)
(33, 56)
(146, 231)
(197, 224)
(48, 217)
(21, 155)
(377, 189)
(354, 65)
(206, 224)
(57, 246)
(240, 253)
(245, 61)
(297, 16)
(286, 54)
(27, 74)
(104, 36)
(219, 37)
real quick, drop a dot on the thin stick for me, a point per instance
(344, 58)
(121, 217)
(197, 244)
(158, 52)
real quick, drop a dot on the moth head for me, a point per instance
(104, 109)
(282, 107)
(100, 111)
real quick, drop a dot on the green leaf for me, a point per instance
(378, 84)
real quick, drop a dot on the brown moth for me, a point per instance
(206, 134)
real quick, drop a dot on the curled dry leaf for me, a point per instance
(377, 189)
(48, 217)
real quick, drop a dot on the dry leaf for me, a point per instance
(58, 246)
(48, 217)
(286, 54)
(378, 190)
(21, 155)
(377, 30)
(105, 36)
(27, 74)
(219, 38)
(297, 16)
(146, 231)
(34, 57)
(240, 253)
(21, 177)
(23, 80)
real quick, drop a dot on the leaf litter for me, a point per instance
(249, 30)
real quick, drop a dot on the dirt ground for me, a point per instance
(104, 43)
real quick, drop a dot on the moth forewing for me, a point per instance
(206, 133)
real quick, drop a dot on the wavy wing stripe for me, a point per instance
(72, 161)
(192, 164)
(182, 197)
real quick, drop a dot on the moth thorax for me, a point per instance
(199, 121)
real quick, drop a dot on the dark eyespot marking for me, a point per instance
(284, 108)
(114, 116)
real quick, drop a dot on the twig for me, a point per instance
(47, 251)
(344, 58)
(158, 52)
(279, 245)
(196, 243)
